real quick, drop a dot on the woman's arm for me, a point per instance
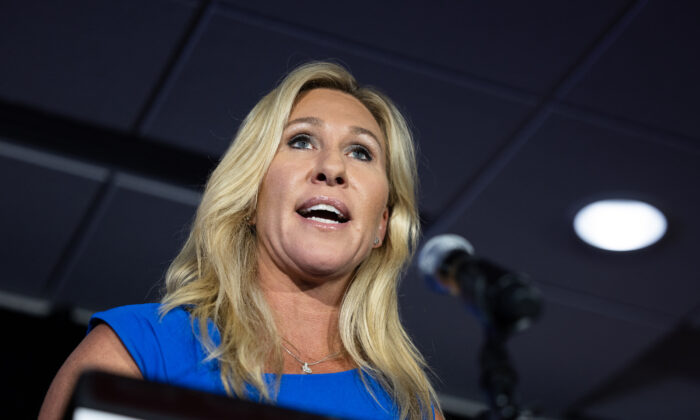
(102, 350)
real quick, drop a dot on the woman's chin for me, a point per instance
(325, 266)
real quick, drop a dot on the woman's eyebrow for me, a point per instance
(359, 131)
(307, 120)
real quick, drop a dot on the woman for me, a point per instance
(291, 267)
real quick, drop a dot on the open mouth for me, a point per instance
(324, 213)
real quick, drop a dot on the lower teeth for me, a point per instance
(318, 219)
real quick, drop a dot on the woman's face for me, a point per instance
(324, 198)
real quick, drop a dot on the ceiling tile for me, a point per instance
(45, 198)
(125, 258)
(649, 75)
(235, 63)
(529, 45)
(524, 217)
(90, 60)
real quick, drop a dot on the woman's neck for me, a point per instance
(306, 316)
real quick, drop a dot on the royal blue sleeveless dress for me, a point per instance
(167, 350)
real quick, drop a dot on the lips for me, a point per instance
(324, 210)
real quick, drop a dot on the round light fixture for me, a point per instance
(620, 225)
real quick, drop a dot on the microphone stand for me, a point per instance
(498, 377)
(504, 302)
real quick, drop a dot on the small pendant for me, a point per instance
(306, 368)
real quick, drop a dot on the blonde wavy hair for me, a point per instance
(215, 274)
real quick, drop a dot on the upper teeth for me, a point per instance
(325, 207)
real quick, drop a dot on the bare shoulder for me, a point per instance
(102, 350)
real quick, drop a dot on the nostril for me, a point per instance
(321, 177)
(339, 181)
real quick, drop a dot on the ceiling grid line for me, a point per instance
(602, 305)
(633, 128)
(172, 69)
(80, 238)
(51, 160)
(116, 150)
(599, 47)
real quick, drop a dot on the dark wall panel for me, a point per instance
(125, 258)
(670, 397)
(44, 199)
(90, 60)
(661, 382)
(570, 352)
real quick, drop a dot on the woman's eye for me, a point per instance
(300, 141)
(360, 152)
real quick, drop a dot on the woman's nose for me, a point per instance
(330, 169)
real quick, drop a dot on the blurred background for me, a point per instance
(113, 112)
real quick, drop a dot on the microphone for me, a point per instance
(503, 301)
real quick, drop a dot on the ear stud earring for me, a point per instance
(376, 241)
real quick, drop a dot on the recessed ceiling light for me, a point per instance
(620, 225)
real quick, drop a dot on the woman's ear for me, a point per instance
(381, 232)
(250, 221)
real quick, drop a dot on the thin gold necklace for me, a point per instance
(305, 365)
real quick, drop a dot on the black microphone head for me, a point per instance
(433, 255)
(517, 304)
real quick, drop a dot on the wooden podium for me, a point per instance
(104, 396)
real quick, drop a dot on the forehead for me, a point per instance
(335, 107)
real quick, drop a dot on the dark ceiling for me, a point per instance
(113, 112)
